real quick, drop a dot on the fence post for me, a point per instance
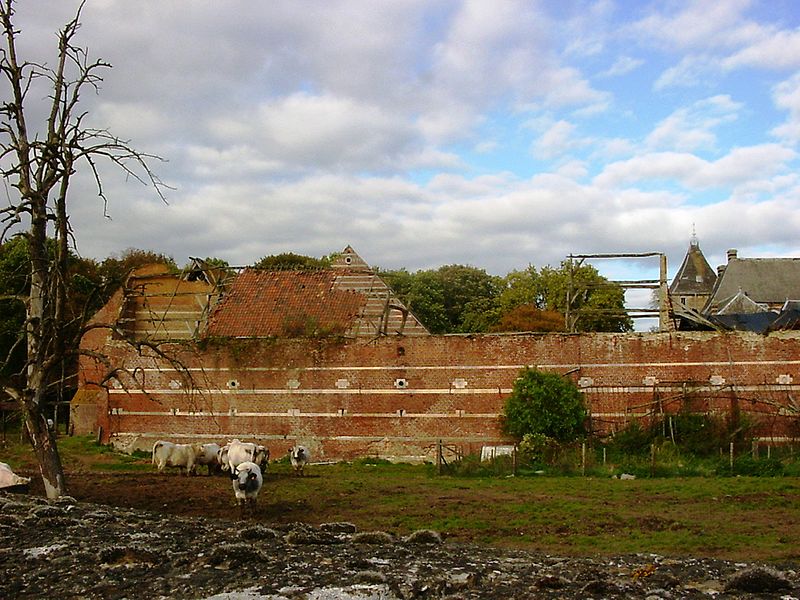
(604, 456)
(652, 459)
(514, 461)
(755, 449)
(731, 455)
(583, 459)
(439, 457)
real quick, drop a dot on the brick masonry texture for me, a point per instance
(397, 396)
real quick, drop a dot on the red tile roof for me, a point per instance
(286, 304)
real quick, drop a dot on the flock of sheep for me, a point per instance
(245, 462)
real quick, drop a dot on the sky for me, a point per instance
(497, 134)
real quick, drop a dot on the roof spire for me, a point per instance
(694, 241)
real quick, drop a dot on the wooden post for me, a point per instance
(604, 456)
(439, 457)
(663, 295)
(731, 455)
(652, 459)
(514, 461)
(583, 459)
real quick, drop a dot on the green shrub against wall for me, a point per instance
(546, 404)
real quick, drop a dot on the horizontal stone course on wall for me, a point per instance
(396, 396)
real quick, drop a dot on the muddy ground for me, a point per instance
(181, 538)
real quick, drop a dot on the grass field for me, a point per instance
(742, 518)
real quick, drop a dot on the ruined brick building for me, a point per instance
(331, 358)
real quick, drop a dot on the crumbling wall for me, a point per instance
(398, 396)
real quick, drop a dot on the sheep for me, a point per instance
(299, 457)
(236, 452)
(10, 480)
(167, 454)
(209, 456)
(247, 481)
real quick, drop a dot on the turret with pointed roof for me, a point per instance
(694, 281)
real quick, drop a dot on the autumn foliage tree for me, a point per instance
(526, 317)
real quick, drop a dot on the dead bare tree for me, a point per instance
(39, 161)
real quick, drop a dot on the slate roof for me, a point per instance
(741, 304)
(695, 275)
(768, 281)
(286, 304)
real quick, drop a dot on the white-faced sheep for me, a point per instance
(236, 452)
(167, 454)
(209, 455)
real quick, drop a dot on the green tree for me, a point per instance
(546, 404)
(289, 261)
(592, 302)
(116, 268)
(450, 299)
(522, 287)
(14, 270)
(426, 299)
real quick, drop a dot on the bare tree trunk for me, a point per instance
(39, 163)
(45, 449)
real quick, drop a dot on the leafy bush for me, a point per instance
(471, 465)
(634, 439)
(546, 404)
(537, 449)
(755, 467)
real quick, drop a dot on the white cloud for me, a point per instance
(558, 139)
(323, 131)
(404, 128)
(700, 24)
(622, 66)
(774, 50)
(692, 70)
(739, 166)
(691, 128)
(786, 95)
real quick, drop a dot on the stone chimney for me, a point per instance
(732, 253)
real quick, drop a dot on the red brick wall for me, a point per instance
(347, 399)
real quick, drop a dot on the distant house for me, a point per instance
(749, 294)
(766, 282)
(694, 282)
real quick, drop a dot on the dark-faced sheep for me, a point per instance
(247, 481)
(299, 457)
